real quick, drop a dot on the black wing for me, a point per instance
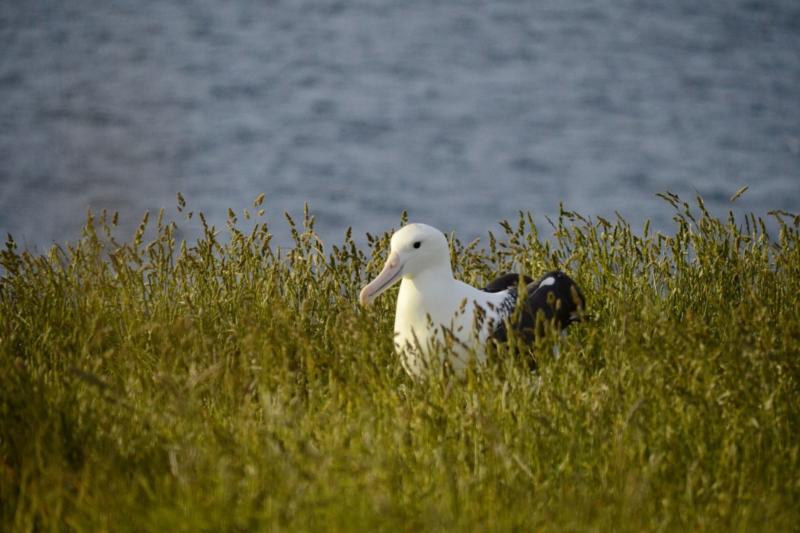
(555, 295)
(505, 282)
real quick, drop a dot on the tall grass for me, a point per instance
(224, 384)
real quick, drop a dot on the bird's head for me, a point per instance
(414, 250)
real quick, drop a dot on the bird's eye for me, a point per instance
(417, 244)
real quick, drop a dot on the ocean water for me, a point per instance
(461, 112)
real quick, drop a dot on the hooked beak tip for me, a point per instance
(363, 298)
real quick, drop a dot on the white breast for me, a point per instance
(424, 312)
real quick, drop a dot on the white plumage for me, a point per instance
(432, 303)
(433, 308)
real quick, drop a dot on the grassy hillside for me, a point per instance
(223, 384)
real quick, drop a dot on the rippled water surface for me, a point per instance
(461, 112)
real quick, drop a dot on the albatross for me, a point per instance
(433, 306)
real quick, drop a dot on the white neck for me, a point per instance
(437, 293)
(432, 277)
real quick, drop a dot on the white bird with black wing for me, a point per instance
(433, 306)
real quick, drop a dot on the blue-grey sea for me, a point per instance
(462, 112)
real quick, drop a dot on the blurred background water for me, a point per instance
(462, 112)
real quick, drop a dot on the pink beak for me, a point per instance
(390, 274)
